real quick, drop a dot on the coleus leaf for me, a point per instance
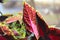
(47, 33)
(6, 30)
(54, 34)
(12, 19)
(42, 25)
(2, 38)
(29, 18)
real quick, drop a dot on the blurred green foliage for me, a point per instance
(5, 1)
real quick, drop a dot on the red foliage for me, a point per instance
(54, 34)
(2, 38)
(35, 24)
(29, 18)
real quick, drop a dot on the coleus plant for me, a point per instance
(35, 24)
(12, 29)
(5, 32)
(17, 26)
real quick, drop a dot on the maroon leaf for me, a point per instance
(54, 34)
(42, 25)
(29, 18)
(2, 38)
(47, 33)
